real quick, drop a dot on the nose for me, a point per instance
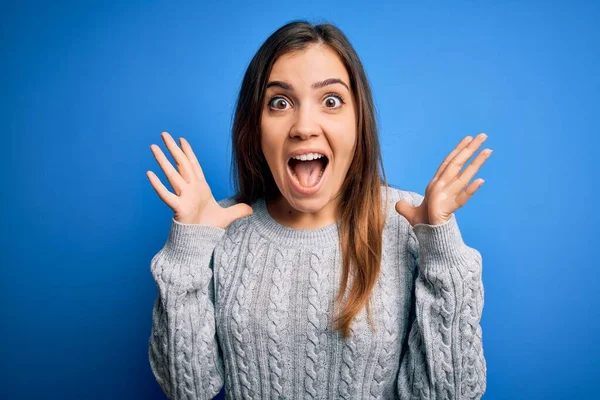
(306, 124)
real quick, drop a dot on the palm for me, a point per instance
(448, 190)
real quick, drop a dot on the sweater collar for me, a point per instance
(267, 226)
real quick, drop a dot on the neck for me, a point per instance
(285, 214)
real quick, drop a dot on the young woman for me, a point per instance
(317, 279)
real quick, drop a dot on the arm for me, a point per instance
(443, 354)
(183, 349)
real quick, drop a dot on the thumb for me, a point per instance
(239, 210)
(405, 209)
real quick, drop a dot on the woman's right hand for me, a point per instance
(193, 202)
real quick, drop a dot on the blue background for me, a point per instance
(87, 88)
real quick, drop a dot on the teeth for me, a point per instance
(308, 156)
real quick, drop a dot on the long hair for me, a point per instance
(362, 218)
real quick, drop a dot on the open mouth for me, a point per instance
(308, 173)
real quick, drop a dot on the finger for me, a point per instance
(187, 149)
(468, 173)
(455, 164)
(239, 210)
(466, 194)
(169, 198)
(183, 164)
(462, 144)
(405, 209)
(171, 173)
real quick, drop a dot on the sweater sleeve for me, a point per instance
(442, 357)
(183, 349)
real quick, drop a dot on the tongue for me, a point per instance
(308, 172)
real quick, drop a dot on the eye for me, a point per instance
(276, 102)
(279, 103)
(334, 96)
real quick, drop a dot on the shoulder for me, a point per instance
(405, 236)
(395, 220)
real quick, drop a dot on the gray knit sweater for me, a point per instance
(250, 307)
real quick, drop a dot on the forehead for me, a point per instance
(312, 64)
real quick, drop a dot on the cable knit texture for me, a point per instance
(250, 308)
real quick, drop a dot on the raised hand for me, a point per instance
(448, 190)
(193, 202)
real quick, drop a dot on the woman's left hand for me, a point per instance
(448, 190)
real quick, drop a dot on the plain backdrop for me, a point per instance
(87, 87)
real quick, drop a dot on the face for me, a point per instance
(309, 112)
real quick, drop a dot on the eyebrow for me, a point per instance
(316, 85)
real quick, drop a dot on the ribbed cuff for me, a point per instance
(189, 241)
(442, 244)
